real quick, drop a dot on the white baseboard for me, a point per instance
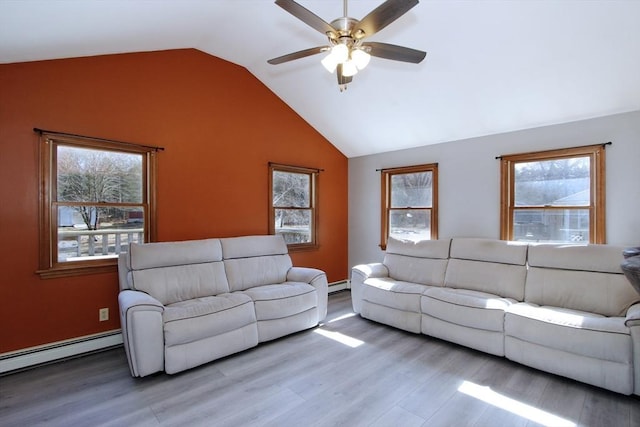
(21, 359)
(339, 286)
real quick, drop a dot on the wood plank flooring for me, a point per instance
(347, 372)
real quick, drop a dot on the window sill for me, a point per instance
(76, 270)
(303, 247)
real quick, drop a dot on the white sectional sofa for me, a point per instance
(564, 309)
(186, 303)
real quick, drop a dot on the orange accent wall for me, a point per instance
(220, 127)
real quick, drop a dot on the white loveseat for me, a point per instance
(564, 309)
(186, 303)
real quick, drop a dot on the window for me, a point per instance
(96, 197)
(409, 203)
(554, 196)
(293, 210)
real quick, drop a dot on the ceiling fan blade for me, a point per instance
(297, 55)
(394, 52)
(342, 79)
(308, 17)
(382, 16)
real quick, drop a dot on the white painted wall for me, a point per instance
(469, 178)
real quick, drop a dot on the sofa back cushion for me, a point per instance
(493, 266)
(585, 278)
(177, 271)
(423, 262)
(252, 261)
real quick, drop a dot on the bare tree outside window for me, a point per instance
(89, 175)
(409, 214)
(292, 207)
(98, 197)
(409, 203)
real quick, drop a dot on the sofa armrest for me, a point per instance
(142, 332)
(633, 322)
(359, 274)
(376, 269)
(633, 316)
(316, 278)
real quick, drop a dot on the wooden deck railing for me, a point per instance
(104, 242)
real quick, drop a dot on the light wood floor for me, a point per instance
(349, 372)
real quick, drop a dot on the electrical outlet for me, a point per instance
(103, 314)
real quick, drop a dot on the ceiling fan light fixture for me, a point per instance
(329, 63)
(340, 52)
(360, 58)
(349, 68)
(347, 51)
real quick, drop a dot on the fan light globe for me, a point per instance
(329, 63)
(349, 68)
(360, 58)
(338, 55)
(340, 52)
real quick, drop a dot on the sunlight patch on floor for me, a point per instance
(337, 319)
(341, 338)
(521, 409)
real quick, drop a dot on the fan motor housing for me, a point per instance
(344, 27)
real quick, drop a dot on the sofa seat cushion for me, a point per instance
(572, 331)
(282, 300)
(474, 309)
(205, 317)
(393, 293)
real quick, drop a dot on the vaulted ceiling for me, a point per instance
(491, 66)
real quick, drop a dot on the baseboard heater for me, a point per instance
(338, 286)
(33, 356)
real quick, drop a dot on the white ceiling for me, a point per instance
(491, 66)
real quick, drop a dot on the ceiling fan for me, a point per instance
(348, 52)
